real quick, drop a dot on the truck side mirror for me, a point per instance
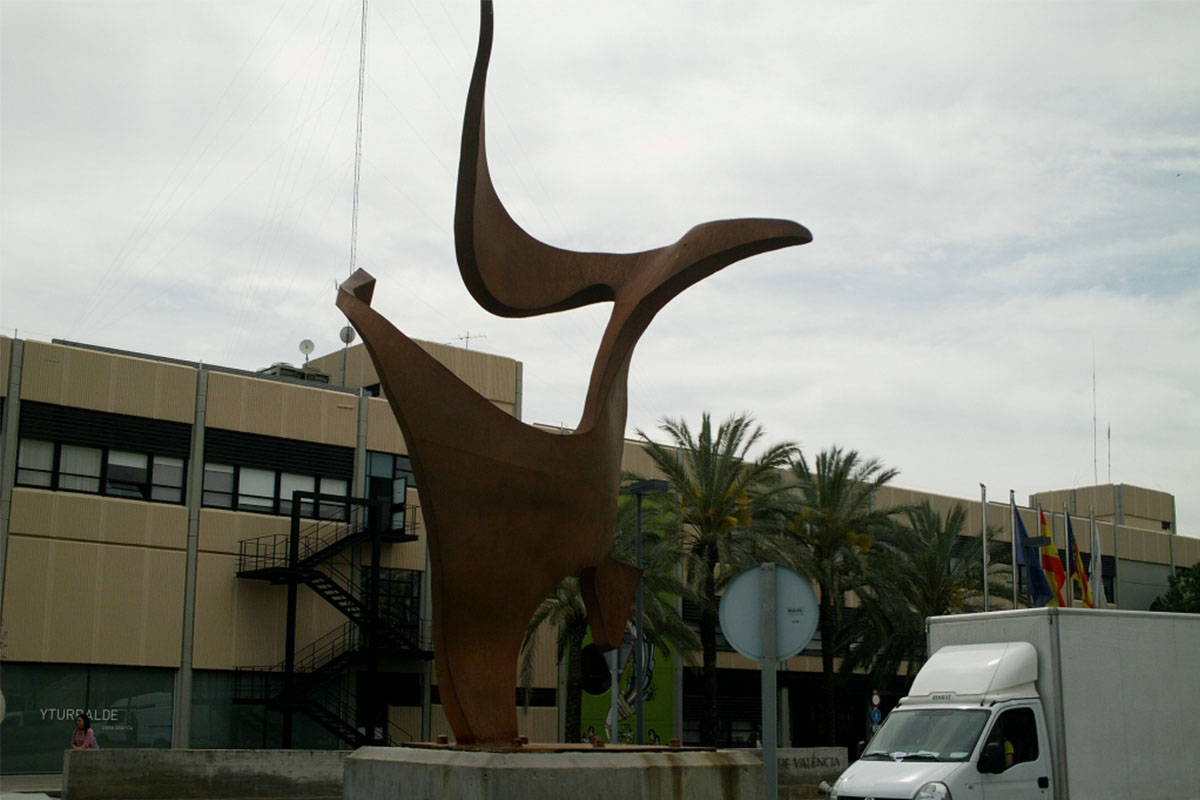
(991, 760)
(862, 745)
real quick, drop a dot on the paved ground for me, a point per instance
(30, 787)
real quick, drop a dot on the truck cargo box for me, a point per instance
(1120, 691)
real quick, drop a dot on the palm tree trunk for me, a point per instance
(709, 724)
(574, 710)
(828, 707)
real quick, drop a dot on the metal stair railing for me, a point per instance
(343, 593)
(340, 523)
(335, 704)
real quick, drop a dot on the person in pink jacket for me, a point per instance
(83, 738)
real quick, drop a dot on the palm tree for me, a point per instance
(564, 607)
(564, 610)
(1183, 592)
(833, 526)
(925, 567)
(725, 504)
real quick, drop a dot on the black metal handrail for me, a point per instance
(323, 536)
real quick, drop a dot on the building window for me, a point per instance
(100, 470)
(256, 489)
(218, 485)
(292, 482)
(341, 489)
(267, 491)
(128, 475)
(35, 463)
(167, 483)
(79, 468)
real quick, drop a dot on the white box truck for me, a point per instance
(1043, 704)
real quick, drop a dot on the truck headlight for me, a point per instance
(932, 791)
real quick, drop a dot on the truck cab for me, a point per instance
(971, 727)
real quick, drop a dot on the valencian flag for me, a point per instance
(1078, 573)
(1052, 565)
(1027, 556)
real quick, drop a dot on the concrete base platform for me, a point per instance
(182, 774)
(383, 773)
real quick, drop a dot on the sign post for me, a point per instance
(770, 701)
(768, 613)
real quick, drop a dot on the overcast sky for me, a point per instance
(999, 193)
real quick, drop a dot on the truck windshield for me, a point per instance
(935, 734)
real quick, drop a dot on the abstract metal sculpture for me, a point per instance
(511, 510)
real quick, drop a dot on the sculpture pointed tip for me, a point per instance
(360, 285)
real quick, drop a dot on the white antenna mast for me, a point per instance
(362, 72)
(1095, 467)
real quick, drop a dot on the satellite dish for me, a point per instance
(346, 335)
(306, 346)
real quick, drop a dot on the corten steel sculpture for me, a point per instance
(511, 510)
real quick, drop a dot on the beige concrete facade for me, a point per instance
(97, 580)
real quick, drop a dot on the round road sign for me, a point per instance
(740, 613)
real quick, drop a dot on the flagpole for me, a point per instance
(1040, 521)
(1012, 521)
(1070, 558)
(983, 538)
(1099, 600)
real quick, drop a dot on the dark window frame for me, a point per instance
(103, 488)
(278, 506)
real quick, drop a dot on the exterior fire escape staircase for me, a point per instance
(319, 552)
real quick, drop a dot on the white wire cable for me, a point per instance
(362, 71)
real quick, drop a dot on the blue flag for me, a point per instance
(1040, 592)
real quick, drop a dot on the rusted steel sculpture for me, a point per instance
(511, 510)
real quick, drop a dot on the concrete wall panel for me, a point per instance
(383, 432)
(5, 357)
(223, 531)
(26, 582)
(408, 719)
(238, 622)
(87, 517)
(493, 376)
(108, 382)
(271, 408)
(539, 724)
(545, 662)
(93, 603)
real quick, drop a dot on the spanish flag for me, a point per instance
(1078, 573)
(1052, 565)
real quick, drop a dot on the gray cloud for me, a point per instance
(996, 190)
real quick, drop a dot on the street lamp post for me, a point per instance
(638, 489)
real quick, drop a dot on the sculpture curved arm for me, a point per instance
(512, 274)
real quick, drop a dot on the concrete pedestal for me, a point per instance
(383, 773)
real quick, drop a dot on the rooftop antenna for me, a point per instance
(346, 334)
(306, 347)
(1095, 467)
(466, 340)
(1110, 453)
(362, 72)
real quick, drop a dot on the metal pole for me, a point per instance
(1012, 521)
(614, 708)
(770, 703)
(639, 661)
(289, 648)
(1118, 522)
(1069, 568)
(987, 600)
